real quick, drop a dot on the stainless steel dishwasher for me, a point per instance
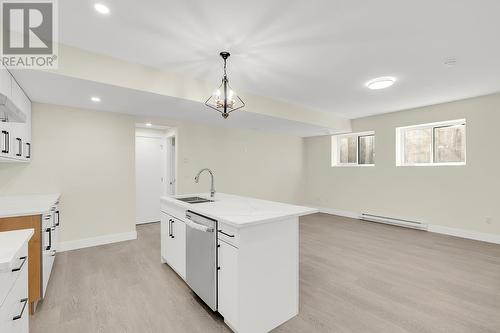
(201, 257)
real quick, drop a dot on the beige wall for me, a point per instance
(458, 197)
(245, 162)
(88, 156)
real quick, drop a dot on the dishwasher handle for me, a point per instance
(198, 226)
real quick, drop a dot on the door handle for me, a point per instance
(58, 216)
(19, 147)
(49, 230)
(6, 141)
(28, 145)
(20, 266)
(199, 227)
(228, 235)
(24, 301)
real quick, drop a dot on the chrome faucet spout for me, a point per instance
(212, 186)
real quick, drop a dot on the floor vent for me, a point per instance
(393, 221)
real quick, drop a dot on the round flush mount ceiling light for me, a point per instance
(95, 99)
(101, 9)
(381, 82)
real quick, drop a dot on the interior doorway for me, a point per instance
(154, 169)
(171, 162)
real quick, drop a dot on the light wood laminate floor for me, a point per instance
(354, 277)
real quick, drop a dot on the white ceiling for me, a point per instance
(317, 53)
(45, 87)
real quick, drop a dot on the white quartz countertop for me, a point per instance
(240, 211)
(25, 205)
(10, 244)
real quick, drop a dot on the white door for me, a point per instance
(149, 164)
(171, 165)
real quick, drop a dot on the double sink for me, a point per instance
(194, 200)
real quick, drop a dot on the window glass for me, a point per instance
(348, 149)
(417, 146)
(449, 144)
(366, 149)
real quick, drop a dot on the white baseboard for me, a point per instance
(96, 241)
(463, 233)
(438, 229)
(139, 223)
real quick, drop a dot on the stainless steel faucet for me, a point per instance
(212, 187)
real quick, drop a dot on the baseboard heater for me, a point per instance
(394, 221)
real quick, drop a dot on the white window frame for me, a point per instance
(335, 148)
(400, 152)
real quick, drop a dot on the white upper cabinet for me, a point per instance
(5, 85)
(5, 141)
(21, 102)
(15, 120)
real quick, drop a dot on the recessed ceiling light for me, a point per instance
(95, 99)
(381, 82)
(149, 124)
(102, 9)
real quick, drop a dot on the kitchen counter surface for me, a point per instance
(240, 211)
(10, 243)
(26, 205)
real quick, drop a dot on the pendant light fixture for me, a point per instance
(224, 99)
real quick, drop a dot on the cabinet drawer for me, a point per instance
(177, 212)
(228, 234)
(9, 278)
(14, 311)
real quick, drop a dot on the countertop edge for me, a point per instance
(51, 199)
(6, 262)
(183, 205)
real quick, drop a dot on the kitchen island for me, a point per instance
(240, 255)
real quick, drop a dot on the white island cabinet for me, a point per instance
(257, 256)
(14, 281)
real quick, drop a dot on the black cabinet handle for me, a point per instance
(28, 145)
(20, 266)
(169, 227)
(6, 136)
(173, 236)
(228, 235)
(19, 147)
(49, 230)
(24, 301)
(58, 216)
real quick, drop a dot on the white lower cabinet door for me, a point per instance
(166, 242)
(228, 284)
(179, 244)
(173, 243)
(15, 308)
